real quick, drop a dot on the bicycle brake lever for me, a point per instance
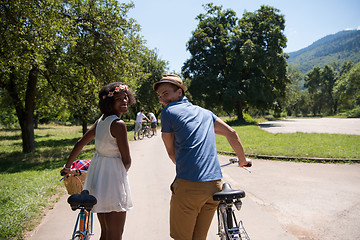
(246, 169)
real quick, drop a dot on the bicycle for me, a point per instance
(146, 131)
(228, 227)
(80, 199)
(84, 223)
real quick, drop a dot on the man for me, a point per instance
(188, 132)
(153, 121)
(140, 116)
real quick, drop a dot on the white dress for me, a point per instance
(107, 178)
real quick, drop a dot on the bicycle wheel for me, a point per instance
(141, 134)
(149, 132)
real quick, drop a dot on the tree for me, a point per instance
(152, 68)
(104, 47)
(322, 86)
(293, 101)
(210, 48)
(29, 30)
(260, 65)
(236, 64)
(348, 88)
(328, 79)
(313, 83)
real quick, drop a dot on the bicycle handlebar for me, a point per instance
(75, 172)
(235, 160)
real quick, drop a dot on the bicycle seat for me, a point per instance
(83, 200)
(228, 193)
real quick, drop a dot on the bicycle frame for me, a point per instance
(85, 223)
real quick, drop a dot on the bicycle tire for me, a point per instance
(149, 133)
(141, 134)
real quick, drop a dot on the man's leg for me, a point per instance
(207, 211)
(136, 130)
(139, 128)
(184, 209)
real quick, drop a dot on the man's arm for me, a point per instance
(143, 115)
(232, 137)
(169, 141)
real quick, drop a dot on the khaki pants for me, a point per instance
(137, 127)
(192, 208)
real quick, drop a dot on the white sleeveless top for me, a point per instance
(107, 178)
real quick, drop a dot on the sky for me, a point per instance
(167, 25)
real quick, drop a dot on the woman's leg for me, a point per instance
(113, 223)
(101, 217)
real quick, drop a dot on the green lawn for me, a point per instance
(28, 181)
(258, 141)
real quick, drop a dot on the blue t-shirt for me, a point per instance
(195, 145)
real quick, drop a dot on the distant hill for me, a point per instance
(339, 47)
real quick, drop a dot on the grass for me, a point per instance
(258, 141)
(23, 196)
(28, 181)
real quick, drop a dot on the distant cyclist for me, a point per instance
(140, 116)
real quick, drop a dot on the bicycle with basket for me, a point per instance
(80, 199)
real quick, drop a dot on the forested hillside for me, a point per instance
(339, 47)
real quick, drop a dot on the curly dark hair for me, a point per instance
(106, 103)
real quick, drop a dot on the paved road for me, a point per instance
(285, 200)
(317, 125)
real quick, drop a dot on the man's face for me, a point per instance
(167, 94)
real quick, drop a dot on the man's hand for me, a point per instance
(247, 162)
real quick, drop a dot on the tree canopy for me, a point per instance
(56, 55)
(237, 62)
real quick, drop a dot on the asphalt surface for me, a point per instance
(314, 125)
(284, 200)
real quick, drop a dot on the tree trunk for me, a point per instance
(84, 125)
(239, 111)
(25, 112)
(28, 137)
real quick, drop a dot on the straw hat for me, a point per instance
(171, 78)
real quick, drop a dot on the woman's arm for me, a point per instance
(119, 131)
(79, 145)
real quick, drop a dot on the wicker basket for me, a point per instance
(74, 183)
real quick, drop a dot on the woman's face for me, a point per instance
(121, 102)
